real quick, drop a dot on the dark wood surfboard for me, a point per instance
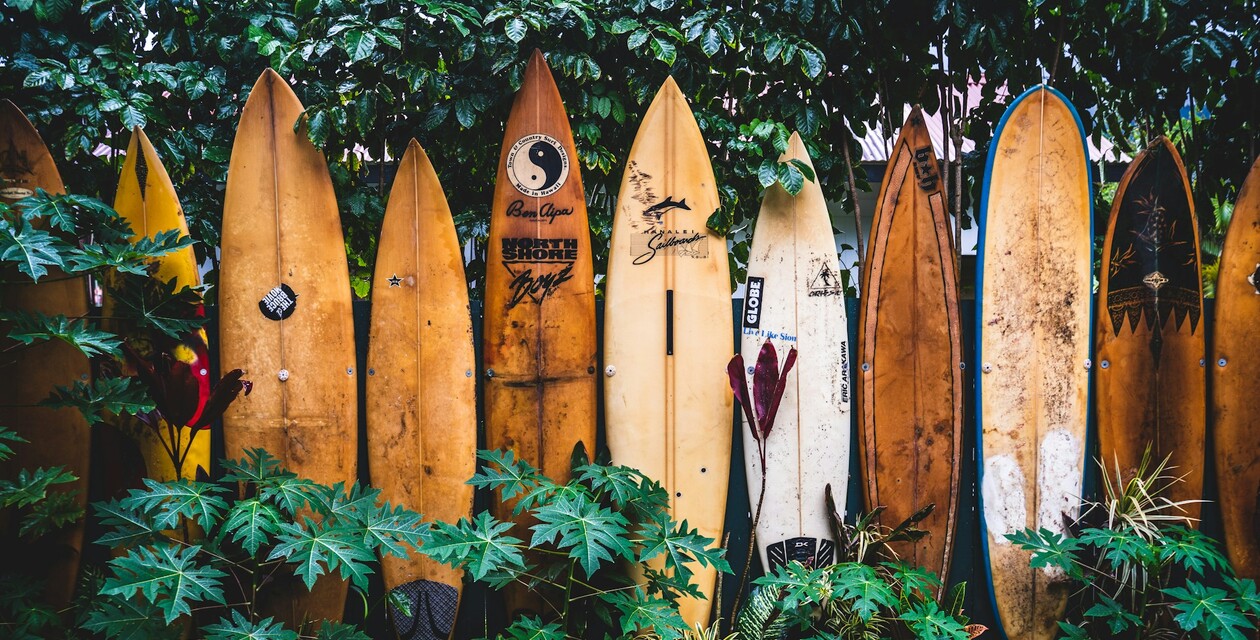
(284, 295)
(1151, 383)
(1235, 368)
(910, 378)
(57, 437)
(421, 393)
(539, 330)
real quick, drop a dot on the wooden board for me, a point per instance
(1151, 384)
(56, 437)
(539, 330)
(1033, 335)
(796, 299)
(667, 326)
(910, 376)
(147, 200)
(421, 393)
(284, 295)
(1235, 369)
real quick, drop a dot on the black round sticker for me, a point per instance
(279, 303)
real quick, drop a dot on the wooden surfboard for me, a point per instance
(1152, 387)
(1235, 369)
(56, 437)
(910, 364)
(1033, 334)
(667, 326)
(146, 199)
(284, 295)
(421, 393)
(539, 329)
(795, 298)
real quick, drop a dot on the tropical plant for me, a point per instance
(588, 532)
(1140, 570)
(759, 410)
(265, 529)
(869, 594)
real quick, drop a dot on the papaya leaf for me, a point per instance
(31, 327)
(166, 576)
(316, 550)
(238, 627)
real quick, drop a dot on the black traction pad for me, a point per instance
(433, 608)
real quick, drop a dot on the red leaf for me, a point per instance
(223, 395)
(172, 386)
(739, 386)
(765, 379)
(767, 423)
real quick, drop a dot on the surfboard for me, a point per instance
(1151, 381)
(795, 299)
(56, 437)
(1033, 336)
(421, 393)
(1235, 368)
(667, 326)
(146, 199)
(284, 296)
(539, 328)
(910, 377)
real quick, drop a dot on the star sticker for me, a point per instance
(1254, 279)
(395, 281)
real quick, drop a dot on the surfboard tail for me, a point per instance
(433, 606)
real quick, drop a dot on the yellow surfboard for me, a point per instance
(146, 199)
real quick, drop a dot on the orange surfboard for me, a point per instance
(539, 329)
(284, 296)
(1235, 368)
(59, 437)
(910, 366)
(421, 392)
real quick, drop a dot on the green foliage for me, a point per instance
(585, 534)
(261, 521)
(1140, 571)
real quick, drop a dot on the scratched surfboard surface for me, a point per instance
(539, 330)
(146, 199)
(1151, 379)
(1235, 368)
(1033, 332)
(910, 373)
(667, 326)
(796, 300)
(421, 393)
(56, 437)
(284, 295)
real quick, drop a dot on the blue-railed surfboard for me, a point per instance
(1033, 337)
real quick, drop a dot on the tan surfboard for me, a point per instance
(1033, 335)
(910, 364)
(1151, 383)
(795, 299)
(59, 437)
(1235, 368)
(667, 326)
(421, 393)
(147, 200)
(539, 329)
(284, 296)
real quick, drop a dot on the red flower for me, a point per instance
(177, 391)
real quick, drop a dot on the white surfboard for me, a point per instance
(795, 298)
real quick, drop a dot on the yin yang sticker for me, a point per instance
(538, 165)
(279, 303)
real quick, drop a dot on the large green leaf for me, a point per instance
(1209, 611)
(679, 545)
(641, 611)
(238, 627)
(504, 471)
(130, 619)
(169, 501)
(591, 534)
(103, 398)
(481, 546)
(315, 551)
(29, 328)
(167, 576)
(251, 523)
(32, 250)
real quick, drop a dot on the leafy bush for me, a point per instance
(251, 543)
(1140, 570)
(587, 531)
